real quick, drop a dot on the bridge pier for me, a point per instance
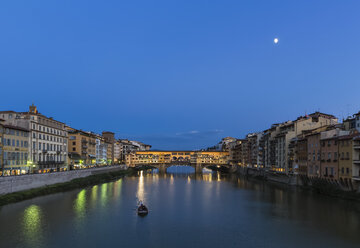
(198, 168)
(162, 169)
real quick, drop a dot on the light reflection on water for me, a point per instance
(32, 229)
(231, 211)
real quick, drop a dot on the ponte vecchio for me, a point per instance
(165, 159)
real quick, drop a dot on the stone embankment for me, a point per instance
(324, 186)
(13, 184)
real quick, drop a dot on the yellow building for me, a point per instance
(14, 150)
(81, 148)
(345, 144)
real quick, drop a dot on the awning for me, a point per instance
(74, 155)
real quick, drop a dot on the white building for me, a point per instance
(48, 139)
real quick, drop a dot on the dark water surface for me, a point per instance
(186, 210)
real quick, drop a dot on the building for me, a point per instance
(109, 152)
(15, 150)
(101, 151)
(329, 153)
(345, 157)
(356, 159)
(117, 152)
(235, 152)
(301, 156)
(48, 139)
(352, 122)
(1, 145)
(110, 140)
(82, 148)
(357, 121)
(278, 141)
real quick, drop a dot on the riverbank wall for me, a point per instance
(13, 184)
(321, 185)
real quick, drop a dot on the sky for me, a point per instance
(180, 74)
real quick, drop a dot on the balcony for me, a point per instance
(44, 151)
(356, 161)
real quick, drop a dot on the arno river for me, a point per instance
(186, 210)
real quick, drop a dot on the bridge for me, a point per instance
(164, 159)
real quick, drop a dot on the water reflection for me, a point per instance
(141, 191)
(32, 226)
(117, 189)
(104, 194)
(232, 211)
(80, 205)
(94, 195)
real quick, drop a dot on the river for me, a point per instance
(186, 210)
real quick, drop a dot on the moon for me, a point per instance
(276, 40)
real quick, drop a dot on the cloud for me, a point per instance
(199, 133)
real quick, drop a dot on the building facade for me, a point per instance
(48, 139)
(82, 148)
(15, 150)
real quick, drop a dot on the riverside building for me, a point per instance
(14, 150)
(82, 148)
(48, 139)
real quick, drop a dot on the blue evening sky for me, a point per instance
(179, 74)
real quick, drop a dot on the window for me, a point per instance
(74, 149)
(329, 155)
(74, 143)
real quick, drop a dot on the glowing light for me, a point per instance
(276, 40)
(80, 204)
(104, 195)
(141, 191)
(94, 193)
(32, 225)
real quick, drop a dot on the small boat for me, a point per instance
(142, 210)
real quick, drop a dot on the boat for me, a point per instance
(142, 210)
